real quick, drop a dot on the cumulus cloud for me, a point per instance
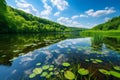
(47, 11)
(79, 16)
(68, 22)
(25, 6)
(60, 4)
(57, 14)
(83, 15)
(98, 13)
(75, 17)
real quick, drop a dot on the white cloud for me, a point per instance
(47, 11)
(68, 22)
(107, 19)
(75, 17)
(83, 15)
(98, 13)
(78, 16)
(60, 4)
(57, 14)
(25, 6)
(64, 20)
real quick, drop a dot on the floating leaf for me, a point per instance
(94, 62)
(83, 71)
(69, 75)
(38, 64)
(37, 71)
(62, 71)
(117, 68)
(98, 60)
(51, 73)
(16, 51)
(91, 59)
(44, 74)
(50, 69)
(51, 65)
(45, 67)
(103, 71)
(56, 73)
(66, 64)
(115, 74)
(48, 76)
(87, 60)
(32, 75)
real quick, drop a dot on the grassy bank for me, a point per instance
(99, 32)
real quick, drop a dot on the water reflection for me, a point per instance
(99, 41)
(55, 49)
(12, 46)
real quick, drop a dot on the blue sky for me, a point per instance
(75, 13)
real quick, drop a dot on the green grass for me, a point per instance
(99, 32)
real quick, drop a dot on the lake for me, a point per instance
(59, 57)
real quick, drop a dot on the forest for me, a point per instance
(17, 21)
(113, 24)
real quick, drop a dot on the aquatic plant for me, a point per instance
(103, 71)
(45, 67)
(32, 75)
(69, 75)
(94, 60)
(117, 68)
(66, 64)
(51, 69)
(83, 71)
(115, 74)
(37, 70)
(38, 64)
(44, 74)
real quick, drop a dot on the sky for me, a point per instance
(73, 13)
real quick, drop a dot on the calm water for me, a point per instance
(20, 54)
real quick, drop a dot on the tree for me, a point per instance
(3, 19)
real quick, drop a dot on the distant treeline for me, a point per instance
(17, 21)
(113, 24)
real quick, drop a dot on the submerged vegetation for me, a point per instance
(75, 72)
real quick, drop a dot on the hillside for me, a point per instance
(17, 21)
(113, 24)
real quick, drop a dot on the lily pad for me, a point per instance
(45, 67)
(98, 60)
(51, 69)
(32, 75)
(51, 73)
(56, 73)
(94, 62)
(52, 66)
(44, 74)
(103, 71)
(69, 75)
(62, 71)
(37, 71)
(83, 71)
(115, 74)
(16, 51)
(87, 60)
(117, 68)
(66, 64)
(38, 64)
(48, 76)
(91, 59)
